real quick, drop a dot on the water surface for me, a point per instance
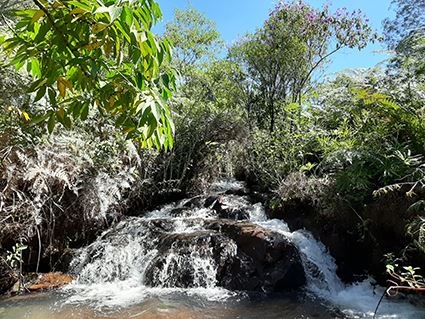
(176, 305)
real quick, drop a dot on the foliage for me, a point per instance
(208, 122)
(405, 34)
(14, 257)
(378, 141)
(296, 40)
(83, 54)
(310, 189)
(7, 6)
(404, 278)
(195, 38)
(64, 190)
(273, 157)
(409, 21)
(206, 107)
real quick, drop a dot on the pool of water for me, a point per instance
(56, 305)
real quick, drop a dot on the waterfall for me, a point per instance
(175, 249)
(357, 300)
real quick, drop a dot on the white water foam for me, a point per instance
(357, 300)
(112, 271)
(127, 293)
(115, 274)
(257, 213)
(226, 184)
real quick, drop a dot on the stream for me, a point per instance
(215, 256)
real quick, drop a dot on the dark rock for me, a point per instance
(233, 255)
(184, 259)
(265, 261)
(209, 201)
(370, 230)
(7, 277)
(259, 197)
(213, 252)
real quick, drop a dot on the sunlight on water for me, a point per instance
(135, 270)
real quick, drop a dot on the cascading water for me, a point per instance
(187, 248)
(172, 248)
(357, 300)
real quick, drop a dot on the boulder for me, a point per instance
(189, 260)
(265, 260)
(242, 191)
(230, 254)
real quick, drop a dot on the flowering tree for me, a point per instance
(296, 40)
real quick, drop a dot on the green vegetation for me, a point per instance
(351, 149)
(82, 54)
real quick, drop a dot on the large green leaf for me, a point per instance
(89, 53)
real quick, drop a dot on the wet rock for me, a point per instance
(195, 252)
(259, 197)
(210, 200)
(50, 281)
(225, 209)
(7, 277)
(233, 255)
(265, 261)
(189, 260)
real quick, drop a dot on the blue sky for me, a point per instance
(234, 18)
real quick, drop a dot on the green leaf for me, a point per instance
(51, 123)
(52, 96)
(36, 85)
(94, 42)
(35, 68)
(41, 34)
(67, 122)
(40, 94)
(83, 5)
(85, 111)
(154, 111)
(27, 13)
(140, 80)
(152, 125)
(39, 118)
(124, 31)
(127, 16)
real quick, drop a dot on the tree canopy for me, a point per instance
(295, 41)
